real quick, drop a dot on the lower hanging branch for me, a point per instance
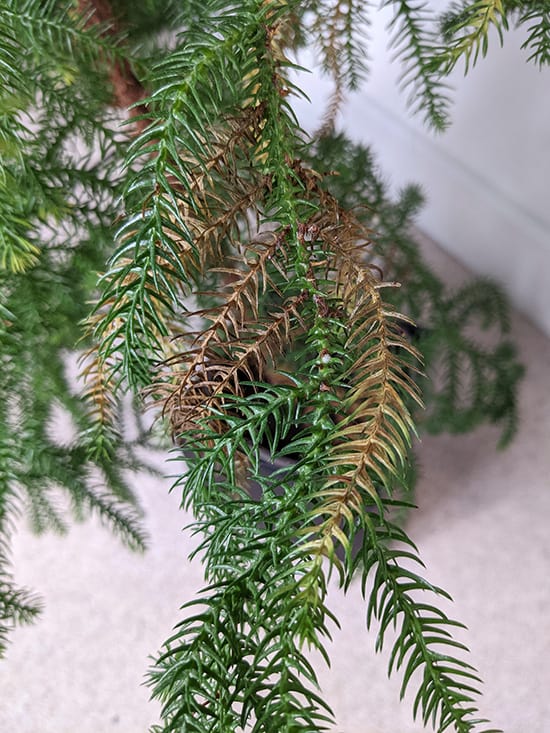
(447, 685)
(237, 661)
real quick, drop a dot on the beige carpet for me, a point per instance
(482, 529)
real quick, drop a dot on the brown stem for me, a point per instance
(127, 89)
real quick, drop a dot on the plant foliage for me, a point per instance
(467, 28)
(471, 379)
(250, 297)
(59, 179)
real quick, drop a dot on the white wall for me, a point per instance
(486, 178)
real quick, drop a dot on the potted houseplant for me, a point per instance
(250, 297)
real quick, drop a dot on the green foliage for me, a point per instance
(45, 305)
(58, 189)
(237, 660)
(415, 42)
(536, 17)
(449, 685)
(223, 183)
(232, 253)
(467, 26)
(466, 29)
